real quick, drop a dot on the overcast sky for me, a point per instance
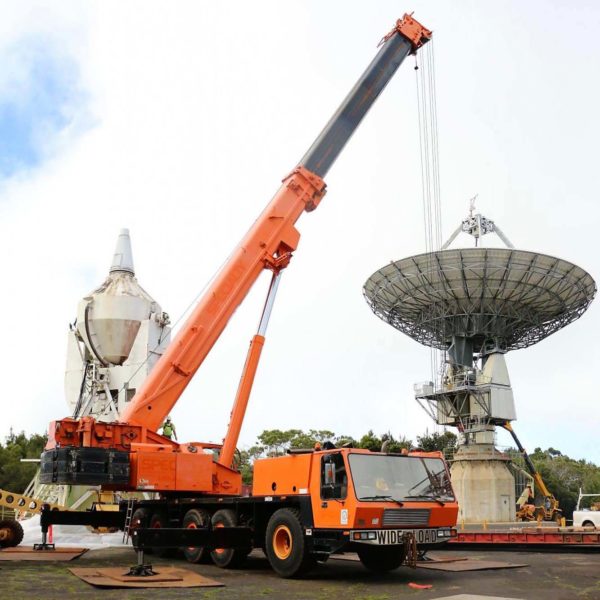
(178, 120)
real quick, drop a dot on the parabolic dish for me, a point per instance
(509, 298)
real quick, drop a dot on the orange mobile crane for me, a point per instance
(303, 506)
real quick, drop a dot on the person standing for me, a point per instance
(168, 429)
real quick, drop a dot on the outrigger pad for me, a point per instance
(165, 577)
(27, 553)
(84, 466)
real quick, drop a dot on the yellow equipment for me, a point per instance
(24, 504)
(11, 532)
(549, 509)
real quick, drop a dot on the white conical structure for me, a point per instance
(123, 257)
(109, 318)
(120, 333)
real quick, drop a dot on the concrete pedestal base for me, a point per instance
(483, 484)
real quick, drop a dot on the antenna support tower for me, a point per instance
(475, 305)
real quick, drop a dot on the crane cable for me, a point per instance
(430, 166)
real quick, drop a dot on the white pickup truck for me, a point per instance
(587, 517)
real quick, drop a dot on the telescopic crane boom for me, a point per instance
(74, 448)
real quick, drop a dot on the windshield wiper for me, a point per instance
(426, 497)
(381, 497)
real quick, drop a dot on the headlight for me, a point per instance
(364, 535)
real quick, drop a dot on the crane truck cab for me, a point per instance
(382, 506)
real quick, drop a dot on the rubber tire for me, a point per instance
(15, 533)
(159, 520)
(299, 562)
(557, 518)
(201, 519)
(227, 558)
(381, 559)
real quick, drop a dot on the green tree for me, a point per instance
(246, 461)
(314, 436)
(276, 441)
(430, 442)
(370, 441)
(15, 475)
(345, 440)
(396, 445)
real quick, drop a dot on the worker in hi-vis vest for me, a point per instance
(168, 429)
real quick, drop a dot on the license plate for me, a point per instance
(390, 537)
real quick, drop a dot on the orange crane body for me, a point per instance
(269, 244)
(304, 506)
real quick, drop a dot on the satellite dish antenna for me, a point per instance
(477, 304)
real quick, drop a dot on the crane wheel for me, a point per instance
(158, 521)
(381, 559)
(285, 544)
(227, 558)
(11, 533)
(196, 519)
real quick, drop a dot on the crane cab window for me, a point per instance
(334, 480)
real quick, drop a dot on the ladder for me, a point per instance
(128, 519)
